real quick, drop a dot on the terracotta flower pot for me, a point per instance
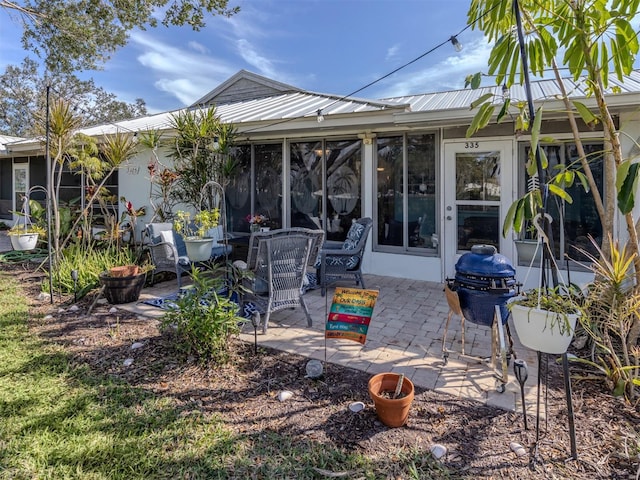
(124, 271)
(392, 412)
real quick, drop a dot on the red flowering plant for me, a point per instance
(129, 218)
(162, 181)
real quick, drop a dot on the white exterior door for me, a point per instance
(20, 185)
(478, 189)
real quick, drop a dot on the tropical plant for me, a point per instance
(611, 309)
(129, 219)
(200, 152)
(199, 226)
(26, 229)
(597, 39)
(161, 178)
(205, 317)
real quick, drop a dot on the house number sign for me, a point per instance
(471, 144)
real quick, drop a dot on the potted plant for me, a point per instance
(545, 319)
(24, 236)
(123, 283)
(392, 395)
(529, 248)
(195, 231)
(257, 222)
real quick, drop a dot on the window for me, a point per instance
(264, 198)
(573, 222)
(406, 193)
(333, 203)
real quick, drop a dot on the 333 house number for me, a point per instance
(471, 144)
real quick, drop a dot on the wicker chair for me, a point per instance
(338, 260)
(316, 235)
(163, 249)
(279, 269)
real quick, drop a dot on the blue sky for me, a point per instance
(328, 46)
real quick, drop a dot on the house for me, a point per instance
(315, 159)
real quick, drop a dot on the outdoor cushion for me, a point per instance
(167, 236)
(351, 242)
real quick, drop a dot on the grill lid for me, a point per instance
(483, 261)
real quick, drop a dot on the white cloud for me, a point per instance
(250, 55)
(183, 73)
(448, 74)
(392, 52)
(198, 47)
(184, 89)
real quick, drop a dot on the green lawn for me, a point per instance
(59, 420)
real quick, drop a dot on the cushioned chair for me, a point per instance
(344, 260)
(278, 264)
(220, 247)
(168, 252)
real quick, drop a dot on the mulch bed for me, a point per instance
(244, 395)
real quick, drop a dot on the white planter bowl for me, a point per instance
(199, 249)
(541, 330)
(24, 241)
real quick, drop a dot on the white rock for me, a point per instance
(314, 369)
(113, 310)
(438, 451)
(285, 395)
(61, 310)
(102, 301)
(517, 449)
(74, 308)
(137, 345)
(48, 317)
(356, 407)
(42, 296)
(128, 362)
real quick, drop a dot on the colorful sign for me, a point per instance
(350, 314)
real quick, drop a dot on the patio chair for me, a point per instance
(279, 271)
(164, 248)
(338, 260)
(316, 235)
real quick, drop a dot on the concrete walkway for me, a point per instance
(405, 336)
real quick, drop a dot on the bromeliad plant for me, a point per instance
(198, 225)
(611, 310)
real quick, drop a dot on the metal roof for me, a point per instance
(5, 140)
(540, 90)
(278, 107)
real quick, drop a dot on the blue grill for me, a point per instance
(484, 279)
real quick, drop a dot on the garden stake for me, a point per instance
(399, 385)
(255, 321)
(74, 276)
(522, 373)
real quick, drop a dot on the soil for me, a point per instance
(244, 394)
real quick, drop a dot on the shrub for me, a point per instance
(205, 317)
